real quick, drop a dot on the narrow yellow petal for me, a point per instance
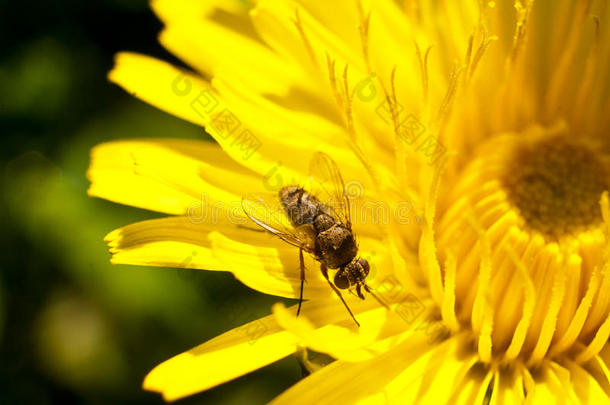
(223, 239)
(421, 382)
(192, 98)
(550, 387)
(598, 368)
(595, 346)
(586, 387)
(258, 259)
(175, 11)
(221, 359)
(275, 24)
(475, 387)
(575, 327)
(529, 304)
(508, 388)
(345, 382)
(266, 73)
(427, 247)
(482, 312)
(342, 27)
(163, 85)
(336, 334)
(547, 329)
(170, 176)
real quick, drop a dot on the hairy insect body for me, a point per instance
(335, 245)
(301, 207)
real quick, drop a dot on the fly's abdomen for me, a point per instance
(300, 207)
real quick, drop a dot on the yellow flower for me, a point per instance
(474, 138)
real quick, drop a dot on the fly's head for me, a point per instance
(352, 274)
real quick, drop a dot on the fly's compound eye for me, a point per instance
(365, 266)
(341, 280)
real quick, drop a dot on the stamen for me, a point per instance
(448, 308)
(482, 312)
(484, 9)
(393, 101)
(427, 246)
(349, 96)
(597, 344)
(449, 97)
(467, 58)
(578, 320)
(528, 308)
(601, 307)
(400, 148)
(299, 24)
(485, 42)
(600, 310)
(363, 28)
(547, 329)
(346, 106)
(521, 29)
(423, 68)
(332, 76)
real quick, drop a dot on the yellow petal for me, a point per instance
(344, 27)
(586, 387)
(175, 11)
(447, 374)
(162, 85)
(328, 328)
(170, 176)
(235, 45)
(345, 382)
(551, 388)
(316, 128)
(258, 259)
(191, 98)
(224, 240)
(275, 24)
(221, 359)
(508, 387)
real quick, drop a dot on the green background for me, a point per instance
(73, 328)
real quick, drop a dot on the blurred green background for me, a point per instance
(73, 328)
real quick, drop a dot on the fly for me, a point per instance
(317, 223)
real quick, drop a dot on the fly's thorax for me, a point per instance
(353, 273)
(300, 207)
(337, 246)
(323, 222)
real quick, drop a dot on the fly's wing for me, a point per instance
(327, 185)
(265, 210)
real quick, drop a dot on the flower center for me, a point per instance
(523, 250)
(556, 185)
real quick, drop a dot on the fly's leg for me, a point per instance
(359, 291)
(336, 290)
(302, 265)
(370, 291)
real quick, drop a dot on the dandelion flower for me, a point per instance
(480, 127)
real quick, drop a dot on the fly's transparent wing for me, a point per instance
(265, 210)
(327, 185)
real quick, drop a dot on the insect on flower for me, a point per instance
(317, 220)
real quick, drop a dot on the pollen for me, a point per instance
(556, 185)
